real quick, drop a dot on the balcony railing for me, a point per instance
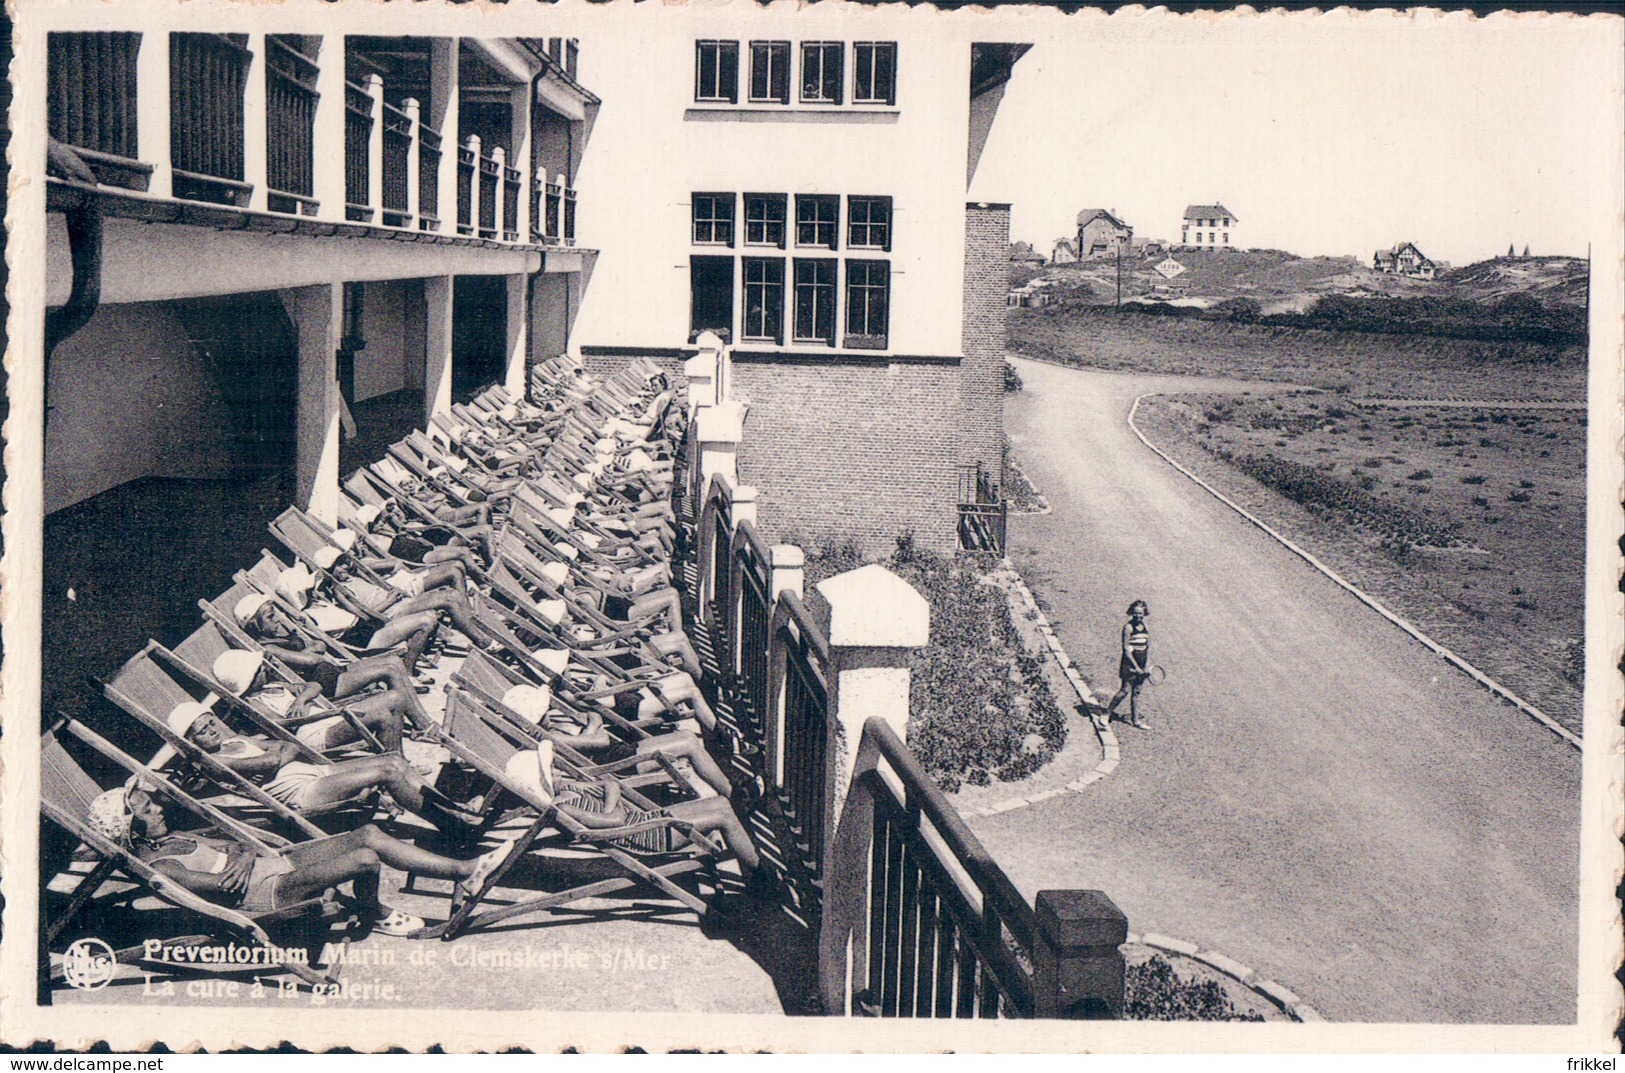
(290, 128)
(207, 73)
(357, 152)
(398, 127)
(92, 87)
(233, 145)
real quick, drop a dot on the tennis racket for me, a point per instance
(1156, 675)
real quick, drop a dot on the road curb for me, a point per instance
(1370, 601)
(1111, 750)
(1276, 994)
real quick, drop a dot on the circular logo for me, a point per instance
(88, 964)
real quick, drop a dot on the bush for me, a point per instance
(1012, 379)
(1323, 493)
(1153, 991)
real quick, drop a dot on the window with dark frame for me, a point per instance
(868, 223)
(716, 71)
(765, 216)
(815, 301)
(713, 219)
(764, 300)
(711, 296)
(868, 304)
(817, 217)
(822, 73)
(874, 72)
(770, 72)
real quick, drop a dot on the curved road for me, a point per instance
(1319, 797)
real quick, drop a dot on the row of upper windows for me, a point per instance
(802, 302)
(1212, 237)
(817, 220)
(1212, 223)
(823, 72)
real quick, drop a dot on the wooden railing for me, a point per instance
(555, 213)
(91, 103)
(428, 178)
(207, 74)
(511, 189)
(983, 512)
(358, 120)
(569, 216)
(397, 206)
(914, 917)
(467, 173)
(490, 179)
(290, 128)
(919, 920)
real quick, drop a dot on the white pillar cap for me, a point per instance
(788, 556)
(723, 423)
(871, 607)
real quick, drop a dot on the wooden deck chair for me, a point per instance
(65, 796)
(481, 747)
(195, 657)
(262, 577)
(531, 568)
(490, 680)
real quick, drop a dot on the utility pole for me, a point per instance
(1119, 245)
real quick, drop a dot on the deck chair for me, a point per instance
(65, 796)
(479, 745)
(262, 577)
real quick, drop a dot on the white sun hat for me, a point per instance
(343, 539)
(248, 607)
(532, 702)
(235, 669)
(326, 556)
(553, 611)
(186, 713)
(367, 513)
(555, 574)
(555, 660)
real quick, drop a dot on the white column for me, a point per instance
(152, 111)
(499, 217)
(414, 161)
(701, 371)
(437, 346)
(518, 370)
(444, 89)
(718, 431)
(317, 314)
(876, 619)
(789, 570)
(473, 184)
(375, 150)
(558, 222)
(254, 117)
(522, 158)
(328, 147)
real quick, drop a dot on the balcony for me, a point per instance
(339, 130)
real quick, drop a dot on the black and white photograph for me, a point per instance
(812, 527)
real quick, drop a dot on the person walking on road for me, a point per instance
(1135, 665)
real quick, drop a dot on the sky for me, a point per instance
(1333, 134)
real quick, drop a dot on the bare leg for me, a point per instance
(715, 816)
(385, 849)
(414, 629)
(688, 747)
(388, 670)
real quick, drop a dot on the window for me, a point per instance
(770, 72)
(1227, 221)
(1227, 238)
(816, 218)
(764, 299)
(874, 72)
(713, 219)
(821, 73)
(868, 303)
(868, 223)
(716, 71)
(815, 302)
(764, 220)
(711, 292)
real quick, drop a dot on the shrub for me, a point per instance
(1421, 475)
(1477, 478)
(1012, 379)
(1330, 495)
(1154, 991)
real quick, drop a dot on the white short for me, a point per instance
(314, 734)
(408, 581)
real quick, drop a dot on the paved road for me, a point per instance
(1319, 798)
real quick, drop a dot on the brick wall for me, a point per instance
(857, 450)
(987, 256)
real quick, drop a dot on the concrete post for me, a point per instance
(414, 162)
(516, 377)
(499, 216)
(327, 172)
(254, 118)
(152, 116)
(744, 501)
(437, 291)
(744, 510)
(701, 371)
(375, 150)
(876, 620)
(789, 570)
(1078, 971)
(318, 314)
(520, 140)
(444, 90)
(561, 238)
(718, 431)
(474, 180)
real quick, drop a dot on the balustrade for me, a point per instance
(398, 127)
(428, 178)
(206, 80)
(358, 121)
(511, 188)
(489, 178)
(290, 128)
(91, 91)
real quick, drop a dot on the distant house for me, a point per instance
(1023, 253)
(1101, 234)
(1065, 252)
(1404, 259)
(1207, 227)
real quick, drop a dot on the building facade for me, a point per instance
(1207, 227)
(801, 189)
(1404, 259)
(1102, 234)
